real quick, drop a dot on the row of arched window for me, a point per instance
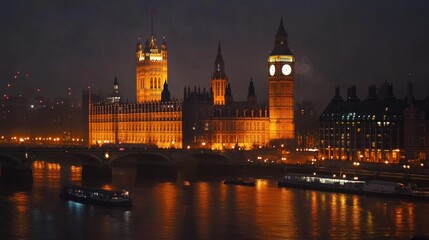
(155, 83)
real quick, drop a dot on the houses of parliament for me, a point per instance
(203, 118)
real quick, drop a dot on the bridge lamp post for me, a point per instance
(106, 155)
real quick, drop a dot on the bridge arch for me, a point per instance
(137, 158)
(209, 157)
(10, 160)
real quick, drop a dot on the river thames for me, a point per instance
(201, 210)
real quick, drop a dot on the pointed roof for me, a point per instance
(281, 32)
(139, 46)
(219, 65)
(219, 58)
(152, 44)
(165, 94)
(251, 92)
(146, 46)
(116, 81)
(281, 46)
(164, 44)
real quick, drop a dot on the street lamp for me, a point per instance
(406, 166)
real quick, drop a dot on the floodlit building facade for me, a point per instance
(204, 118)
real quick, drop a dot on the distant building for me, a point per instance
(306, 126)
(380, 128)
(416, 130)
(205, 118)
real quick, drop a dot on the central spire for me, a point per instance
(219, 58)
(219, 71)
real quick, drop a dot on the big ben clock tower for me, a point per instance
(281, 75)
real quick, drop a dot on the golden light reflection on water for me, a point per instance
(404, 217)
(20, 219)
(168, 200)
(202, 211)
(46, 173)
(315, 212)
(356, 215)
(52, 172)
(213, 209)
(75, 173)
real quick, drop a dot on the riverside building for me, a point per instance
(203, 118)
(380, 128)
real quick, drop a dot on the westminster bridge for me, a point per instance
(97, 163)
(16, 164)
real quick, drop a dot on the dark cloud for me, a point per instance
(75, 43)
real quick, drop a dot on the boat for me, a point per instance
(394, 189)
(353, 186)
(98, 196)
(322, 183)
(240, 181)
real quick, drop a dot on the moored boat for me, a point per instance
(240, 181)
(353, 186)
(98, 196)
(394, 189)
(322, 183)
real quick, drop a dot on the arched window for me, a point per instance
(159, 82)
(151, 83)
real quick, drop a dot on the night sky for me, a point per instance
(62, 44)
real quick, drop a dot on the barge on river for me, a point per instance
(98, 196)
(323, 183)
(354, 186)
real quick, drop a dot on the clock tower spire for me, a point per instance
(281, 76)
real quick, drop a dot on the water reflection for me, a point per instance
(75, 173)
(20, 218)
(203, 210)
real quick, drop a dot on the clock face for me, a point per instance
(286, 69)
(272, 70)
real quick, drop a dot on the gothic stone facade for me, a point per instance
(205, 118)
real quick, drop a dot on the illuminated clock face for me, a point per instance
(272, 70)
(286, 69)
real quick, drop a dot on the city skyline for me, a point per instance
(336, 43)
